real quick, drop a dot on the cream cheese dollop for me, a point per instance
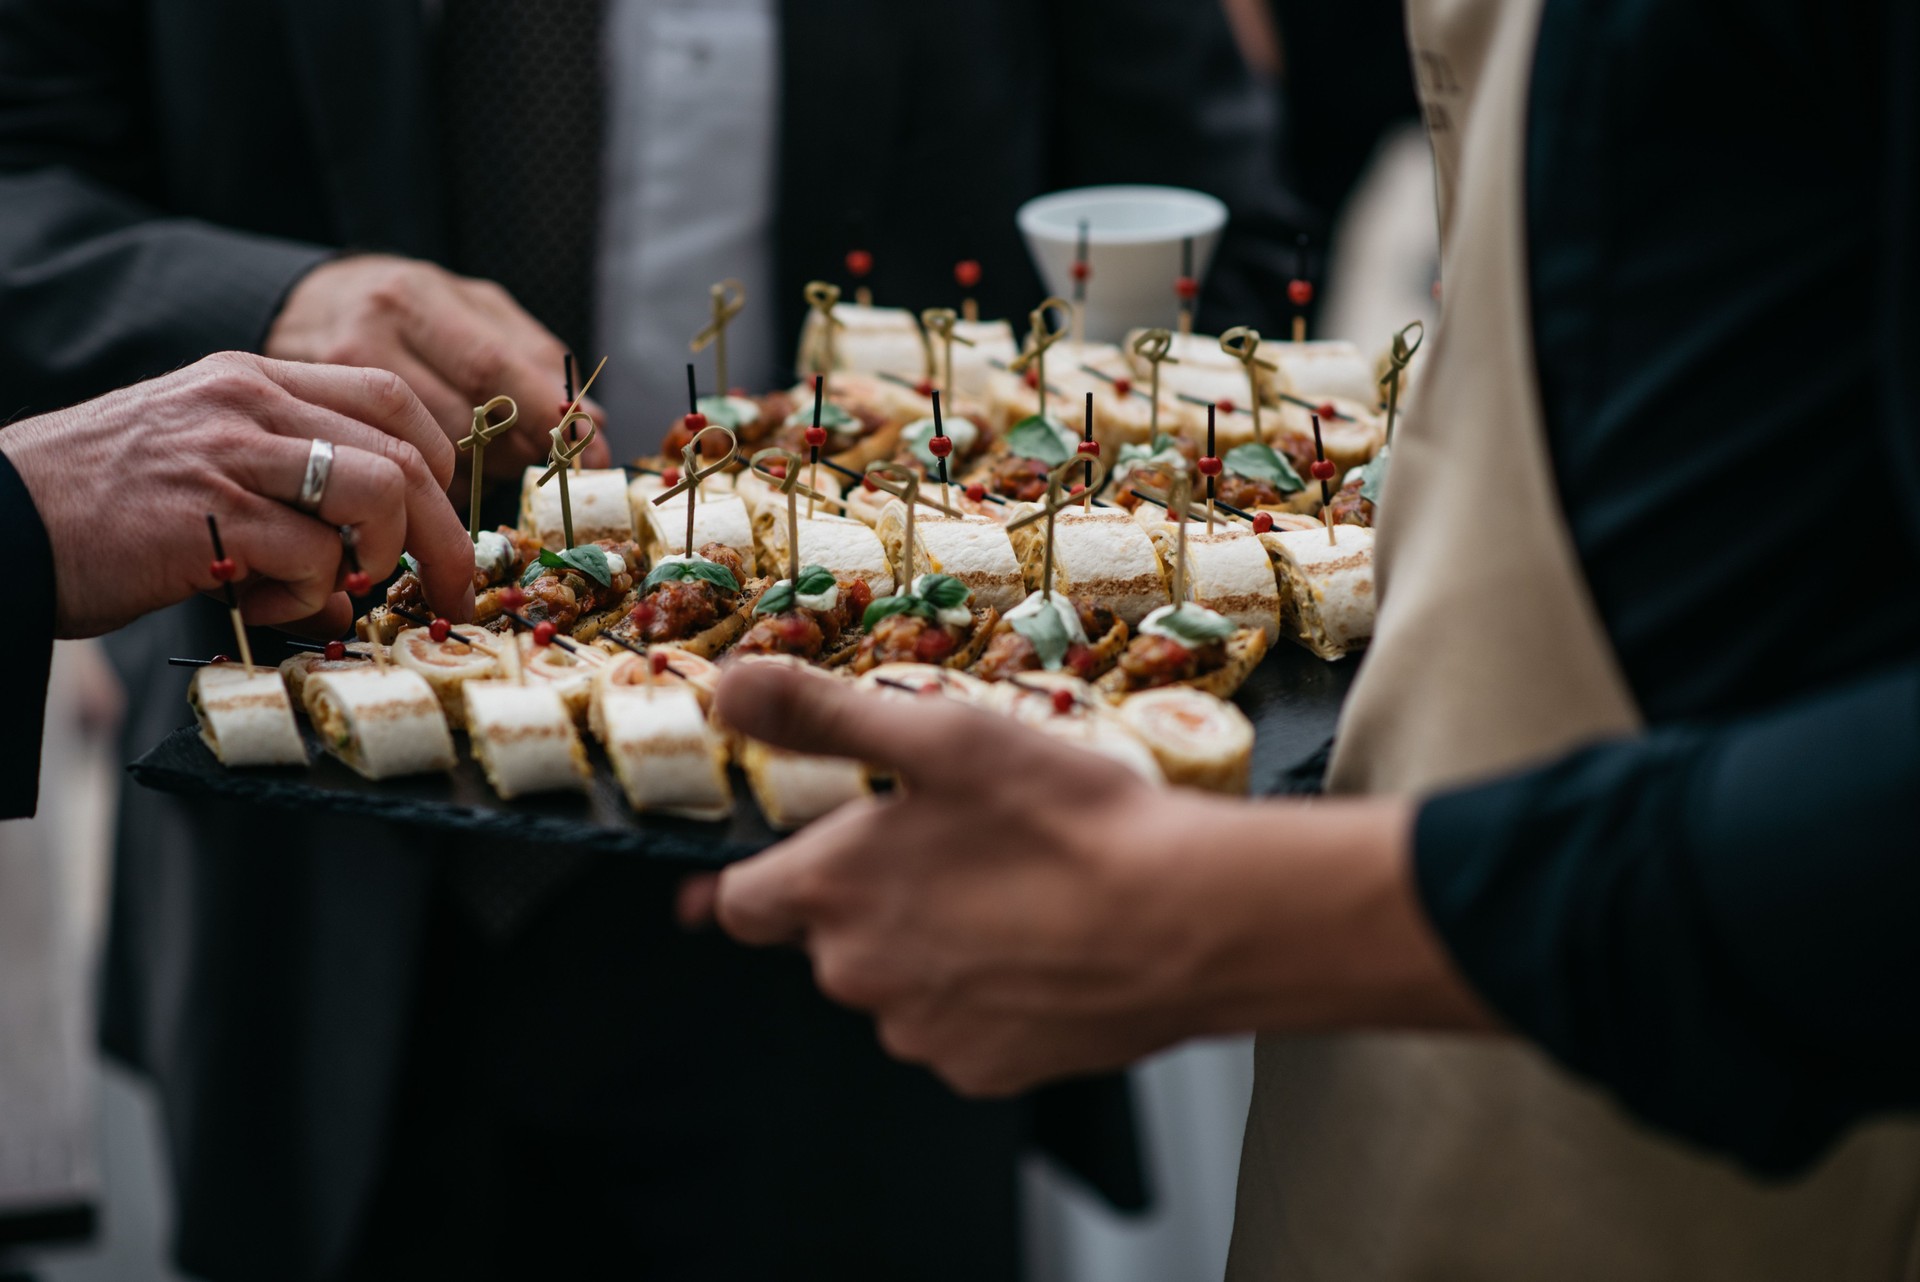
(493, 553)
(1032, 607)
(956, 616)
(1154, 625)
(819, 601)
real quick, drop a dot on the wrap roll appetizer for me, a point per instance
(1058, 634)
(980, 346)
(383, 723)
(973, 549)
(1326, 591)
(1317, 371)
(699, 605)
(1187, 645)
(717, 518)
(666, 754)
(870, 340)
(1203, 370)
(1200, 741)
(934, 621)
(793, 790)
(468, 654)
(570, 674)
(245, 716)
(1102, 555)
(848, 548)
(598, 497)
(920, 679)
(524, 739)
(816, 619)
(1228, 571)
(296, 669)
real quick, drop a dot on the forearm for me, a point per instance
(1305, 917)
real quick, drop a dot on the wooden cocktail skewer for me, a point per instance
(1155, 347)
(903, 483)
(1323, 470)
(1398, 359)
(940, 322)
(1186, 287)
(1041, 337)
(225, 572)
(692, 474)
(940, 447)
(1243, 344)
(572, 413)
(485, 430)
(729, 299)
(562, 459)
(787, 483)
(1089, 448)
(1179, 501)
(823, 298)
(860, 266)
(966, 274)
(1058, 497)
(1082, 272)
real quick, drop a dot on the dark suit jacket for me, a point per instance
(169, 170)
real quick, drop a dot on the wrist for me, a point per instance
(1307, 918)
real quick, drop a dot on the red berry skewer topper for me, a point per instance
(1300, 289)
(336, 651)
(966, 274)
(940, 447)
(860, 266)
(1323, 470)
(816, 437)
(729, 300)
(224, 572)
(1186, 287)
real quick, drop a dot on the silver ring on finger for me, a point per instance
(313, 486)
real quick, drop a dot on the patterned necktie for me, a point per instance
(521, 125)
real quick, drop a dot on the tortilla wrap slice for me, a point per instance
(721, 519)
(872, 340)
(921, 678)
(1228, 571)
(1110, 738)
(973, 367)
(1102, 555)
(1200, 741)
(1245, 648)
(295, 670)
(1326, 592)
(793, 790)
(762, 497)
(570, 673)
(645, 487)
(524, 738)
(382, 722)
(1350, 440)
(666, 754)
(627, 670)
(1318, 370)
(847, 548)
(974, 549)
(245, 716)
(468, 654)
(599, 500)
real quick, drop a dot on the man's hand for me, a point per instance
(123, 485)
(458, 343)
(1024, 910)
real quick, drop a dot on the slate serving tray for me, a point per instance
(1293, 700)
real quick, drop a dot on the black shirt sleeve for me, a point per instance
(26, 644)
(1716, 923)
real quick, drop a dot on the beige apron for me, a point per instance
(1429, 1159)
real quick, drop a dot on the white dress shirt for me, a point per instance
(687, 196)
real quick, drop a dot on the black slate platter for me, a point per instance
(1293, 700)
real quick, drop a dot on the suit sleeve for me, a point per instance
(98, 287)
(26, 644)
(1156, 92)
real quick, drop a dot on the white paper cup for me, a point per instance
(1134, 237)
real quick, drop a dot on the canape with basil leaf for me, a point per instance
(1187, 644)
(694, 603)
(934, 621)
(812, 617)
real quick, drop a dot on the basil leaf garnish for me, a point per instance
(1374, 478)
(409, 565)
(777, 599)
(943, 591)
(887, 606)
(814, 580)
(1048, 634)
(587, 560)
(1259, 462)
(679, 571)
(726, 411)
(1038, 438)
(1195, 626)
(832, 417)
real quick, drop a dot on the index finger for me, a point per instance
(380, 399)
(793, 708)
(765, 900)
